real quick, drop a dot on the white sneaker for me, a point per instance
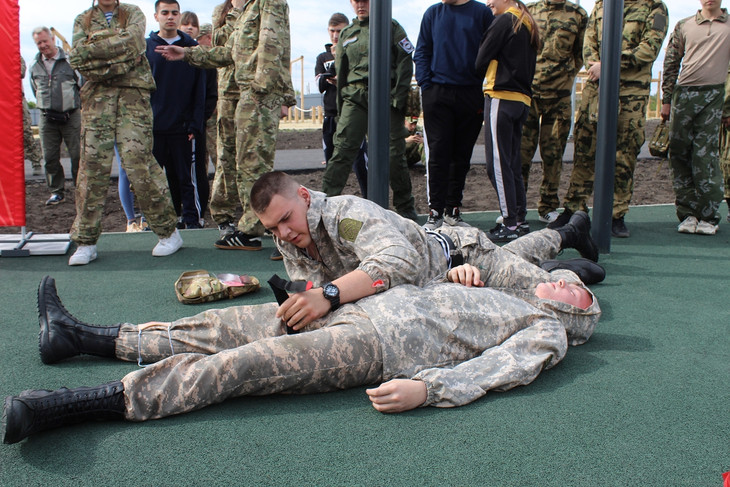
(83, 255)
(499, 220)
(706, 228)
(688, 225)
(168, 246)
(549, 217)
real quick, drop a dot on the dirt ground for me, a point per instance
(652, 185)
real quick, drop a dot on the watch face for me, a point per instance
(331, 290)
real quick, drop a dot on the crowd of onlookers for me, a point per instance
(503, 66)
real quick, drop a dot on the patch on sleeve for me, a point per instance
(406, 45)
(660, 23)
(348, 41)
(349, 229)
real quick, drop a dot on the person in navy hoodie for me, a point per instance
(178, 107)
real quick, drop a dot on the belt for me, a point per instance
(453, 255)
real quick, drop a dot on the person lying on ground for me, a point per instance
(442, 345)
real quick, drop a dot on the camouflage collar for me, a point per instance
(699, 18)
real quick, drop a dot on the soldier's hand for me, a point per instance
(398, 395)
(303, 308)
(726, 122)
(171, 53)
(666, 110)
(465, 274)
(284, 111)
(594, 72)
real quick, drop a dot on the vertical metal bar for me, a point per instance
(381, 13)
(608, 101)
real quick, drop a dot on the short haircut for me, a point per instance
(40, 29)
(338, 19)
(269, 185)
(189, 18)
(166, 2)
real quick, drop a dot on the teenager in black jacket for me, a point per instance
(508, 53)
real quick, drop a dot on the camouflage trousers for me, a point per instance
(242, 350)
(257, 125)
(549, 122)
(352, 127)
(30, 143)
(630, 138)
(725, 159)
(694, 141)
(224, 195)
(124, 116)
(211, 137)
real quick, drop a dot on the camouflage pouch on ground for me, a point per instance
(193, 287)
(659, 143)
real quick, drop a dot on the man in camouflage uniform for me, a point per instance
(497, 340)
(108, 50)
(644, 29)
(355, 248)
(415, 150)
(562, 26)
(725, 144)
(351, 66)
(258, 48)
(205, 37)
(694, 97)
(31, 145)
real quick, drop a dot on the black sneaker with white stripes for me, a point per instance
(239, 241)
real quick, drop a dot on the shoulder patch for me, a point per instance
(406, 45)
(349, 229)
(348, 41)
(660, 23)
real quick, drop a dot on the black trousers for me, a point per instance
(174, 152)
(504, 120)
(452, 120)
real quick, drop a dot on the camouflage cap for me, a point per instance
(205, 29)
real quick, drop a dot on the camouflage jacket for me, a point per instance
(694, 41)
(462, 342)
(726, 102)
(562, 26)
(644, 29)
(352, 61)
(227, 87)
(258, 46)
(352, 233)
(112, 54)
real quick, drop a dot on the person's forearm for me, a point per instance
(354, 285)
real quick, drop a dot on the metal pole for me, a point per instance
(608, 101)
(381, 13)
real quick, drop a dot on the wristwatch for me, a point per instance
(332, 294)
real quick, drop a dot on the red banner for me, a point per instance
(12, 159)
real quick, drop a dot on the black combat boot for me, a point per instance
(576, 234)
(39, 410)
(64, 336)
(588, 271)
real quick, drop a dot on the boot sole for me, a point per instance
(9, 436)
(237, 247)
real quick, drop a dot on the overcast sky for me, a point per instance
(308, 24)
